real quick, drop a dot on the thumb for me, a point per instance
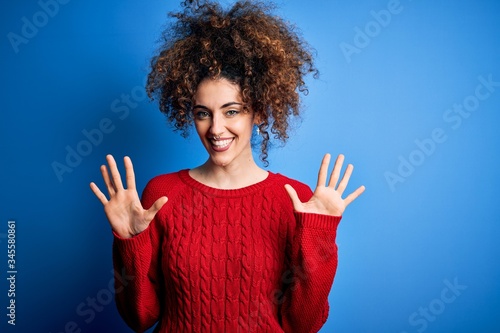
(297, 204)
(156, 207)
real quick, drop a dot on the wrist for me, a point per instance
(126, 233)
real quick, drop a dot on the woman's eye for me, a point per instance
(202, 114)
(232, 112)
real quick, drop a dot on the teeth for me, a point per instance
(221, 143)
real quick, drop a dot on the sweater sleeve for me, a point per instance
(311, 264)
(138, 260)
(313, 267)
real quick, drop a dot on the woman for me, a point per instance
(227, 246)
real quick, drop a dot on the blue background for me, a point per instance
(400, 245)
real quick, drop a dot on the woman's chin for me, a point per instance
(220, 162)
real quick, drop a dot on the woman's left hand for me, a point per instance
(327, 198)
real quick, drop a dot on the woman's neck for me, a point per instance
(230, 176)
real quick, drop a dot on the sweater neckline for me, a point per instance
(186, 178)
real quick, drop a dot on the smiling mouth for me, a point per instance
(221, 144)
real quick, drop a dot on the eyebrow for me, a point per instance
(199, 106)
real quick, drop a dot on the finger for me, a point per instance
(345, 179)
(351, 197)
(109, 184)
(151, 212)
(115, 174)
(102, 198)
(323, 170)
(336, 170)
(297, 204)
(129, 172)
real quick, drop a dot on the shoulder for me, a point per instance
(161, 185)
(303, 190)
(166, 178)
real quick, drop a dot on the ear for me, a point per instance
(257, 118)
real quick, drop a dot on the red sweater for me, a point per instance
(217, 260)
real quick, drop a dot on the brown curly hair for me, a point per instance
(247, 45)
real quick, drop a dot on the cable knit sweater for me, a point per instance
(217, 260)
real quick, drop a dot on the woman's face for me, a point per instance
(224, 128)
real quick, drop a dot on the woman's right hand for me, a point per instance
(124, 210)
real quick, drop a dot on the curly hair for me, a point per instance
(246, 45)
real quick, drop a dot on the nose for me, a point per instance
(217, 127)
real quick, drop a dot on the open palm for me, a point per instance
(327, 198)
(124, 210)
